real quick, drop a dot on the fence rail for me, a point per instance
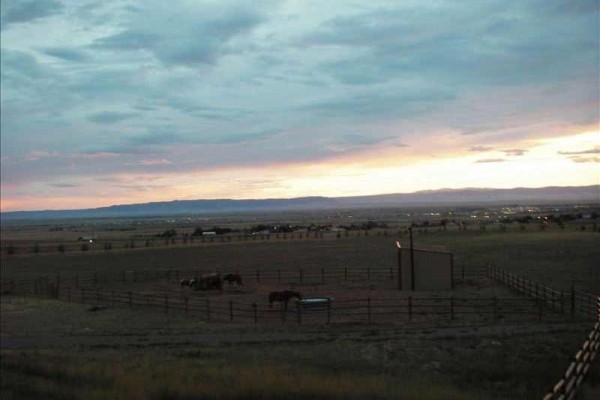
(370, 310)
(573, 301)
(324, 275)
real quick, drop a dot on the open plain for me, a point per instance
(60, 349)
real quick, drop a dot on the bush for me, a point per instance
(36, 248)
(85, 247)
(61, 248)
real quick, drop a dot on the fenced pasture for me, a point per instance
(359, 273)
(370, 297)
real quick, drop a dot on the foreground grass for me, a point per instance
(205, 375)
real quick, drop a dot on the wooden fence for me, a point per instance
(370, 310)
(577, 303)
(567, 387)
(332, 274)
(573, 301)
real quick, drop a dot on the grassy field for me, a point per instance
(69, 351)
(555, 258)
(57, 350)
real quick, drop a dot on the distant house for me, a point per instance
(90, 239)
(209, 233)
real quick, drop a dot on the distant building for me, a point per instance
(209, 233)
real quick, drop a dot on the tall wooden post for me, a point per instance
(399, 265)
(412, 260)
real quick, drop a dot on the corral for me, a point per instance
(358, 273)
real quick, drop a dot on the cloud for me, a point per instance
(595, 150)
(66, 54)
(64, 185)
(110, 117)
(491, 160)
(162, 161)
(14, 12)
(481, 148)
(203, 33)
(578, 159)
(18, 65)
(514, 152)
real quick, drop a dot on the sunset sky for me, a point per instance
(115, 102)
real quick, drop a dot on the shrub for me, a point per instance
(61, 248)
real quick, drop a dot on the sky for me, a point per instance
(119, 102)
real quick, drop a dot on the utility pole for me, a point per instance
(412, 260)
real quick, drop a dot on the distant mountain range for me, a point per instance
(469, 196)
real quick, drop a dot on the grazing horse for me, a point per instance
(209, 281)
(188, 282)
(283, 297)
(231, 278)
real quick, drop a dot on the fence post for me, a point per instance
(208, 309)
(410, 308)
(231, 310)
(345, 273)
(463, 272)
(167, 303)
(254, 309)
(452, 307)
(369, 310)
(257, 276)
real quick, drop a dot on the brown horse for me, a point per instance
(231, 278)
(283, 297)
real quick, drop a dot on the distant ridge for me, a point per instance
(529, 196)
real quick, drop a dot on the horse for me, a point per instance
(231, 278)
(188, 282)
(283, 297)
(209, 281)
